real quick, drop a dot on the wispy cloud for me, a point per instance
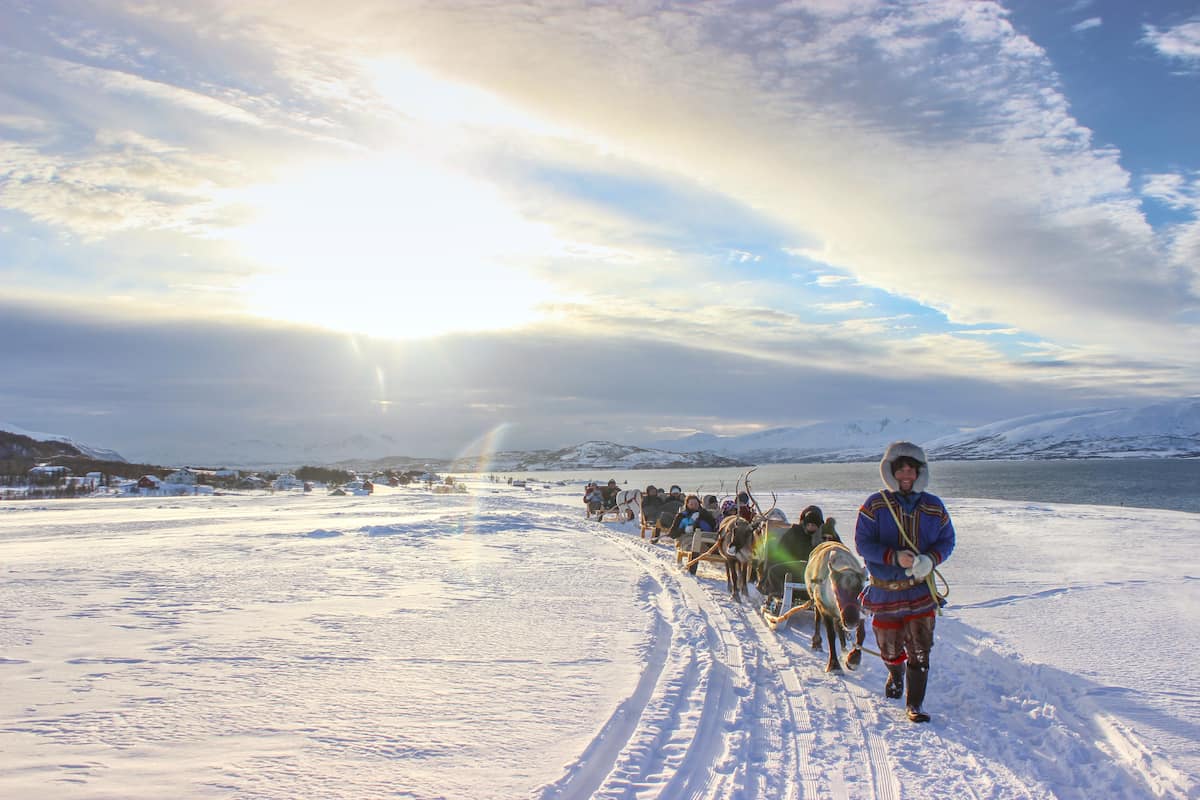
(1180, 42)
(1176, 190)
(1087, 24)
(849, 305)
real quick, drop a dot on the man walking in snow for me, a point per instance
(903, 532)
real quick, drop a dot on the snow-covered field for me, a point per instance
(497, 644)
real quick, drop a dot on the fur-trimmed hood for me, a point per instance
(896, 450)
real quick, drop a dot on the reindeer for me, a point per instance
(834, 578)
(764, 523)
(735, 540)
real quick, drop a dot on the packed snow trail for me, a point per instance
(499, 645)
(788, 729)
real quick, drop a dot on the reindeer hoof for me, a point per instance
(817, 644)
(853, 658)
(833, 667)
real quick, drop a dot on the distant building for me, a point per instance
(149, 482)
(185, 476)
(43, 471)
(288, 481)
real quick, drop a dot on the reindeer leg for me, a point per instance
(834, 665)
(816, 637)
(854, 657)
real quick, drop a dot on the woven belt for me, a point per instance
(895, 586)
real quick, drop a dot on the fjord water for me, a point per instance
(1172, 484)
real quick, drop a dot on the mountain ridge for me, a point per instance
(1166, 429)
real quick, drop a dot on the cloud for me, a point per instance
(1180, 42)
(849, 305)
(669, 176)
(997, 221)
(1173, 189)
(1087, 24)
(178, 390)
(832, 280)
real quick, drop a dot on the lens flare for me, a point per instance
(484, 448)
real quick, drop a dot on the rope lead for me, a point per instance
(938, 598)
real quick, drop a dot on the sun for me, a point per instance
(394, 247)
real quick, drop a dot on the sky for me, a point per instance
(228, 226)
(301, 645)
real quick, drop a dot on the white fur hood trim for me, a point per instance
(896, 450)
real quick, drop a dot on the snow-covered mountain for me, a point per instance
(274, 453)
(823, 441)
(98, 453)
(595, 455)
(1162, 430)
(1168, 429)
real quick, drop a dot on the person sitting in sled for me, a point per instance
(790, 551)
(651, 502)
(594, 498)
(690, 525)
(609, 494)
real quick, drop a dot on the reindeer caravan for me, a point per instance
(902, 532)
(793, 567)
(610, 499)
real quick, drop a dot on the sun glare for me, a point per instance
(424, 97)
(392, 247)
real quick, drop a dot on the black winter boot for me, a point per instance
(918, 677)
(894, 688)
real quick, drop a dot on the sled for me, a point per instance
(651, 516)
(781, 581)
(777, 611)
(627, 504)
(700, 542)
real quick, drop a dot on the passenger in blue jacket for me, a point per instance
(903, 532)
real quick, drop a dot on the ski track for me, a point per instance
(741, 711)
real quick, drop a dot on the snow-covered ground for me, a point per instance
(498, 644)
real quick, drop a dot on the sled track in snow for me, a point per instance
(728, 708)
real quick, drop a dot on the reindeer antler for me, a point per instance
(754, 501)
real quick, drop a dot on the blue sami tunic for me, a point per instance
(878, 540)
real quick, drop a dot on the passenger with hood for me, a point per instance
(651, 501)
(609, 493)
(903, 532)
(690, 525)
(789, 551)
